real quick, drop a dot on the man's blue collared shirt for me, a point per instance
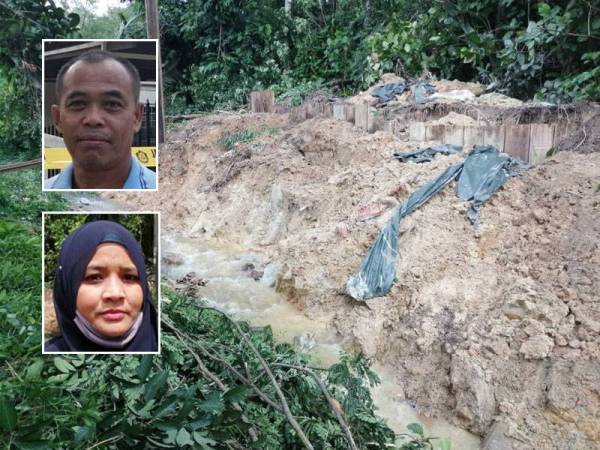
(139, 177)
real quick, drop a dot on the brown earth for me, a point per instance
(586, 139)
(496, 330)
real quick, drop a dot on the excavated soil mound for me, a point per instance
(585, 140)
(496, 330)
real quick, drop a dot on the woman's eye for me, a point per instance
(131, 277)
(93, 277)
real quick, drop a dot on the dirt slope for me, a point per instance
(497, 330)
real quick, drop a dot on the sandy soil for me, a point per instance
(496, 330)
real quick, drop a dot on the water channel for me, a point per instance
(230, 289)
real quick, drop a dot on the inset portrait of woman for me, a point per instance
(101, 295)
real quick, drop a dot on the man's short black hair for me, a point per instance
(97, 56)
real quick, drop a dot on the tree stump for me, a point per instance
(262, 101)
(298, 114)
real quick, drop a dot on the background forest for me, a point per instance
(216, 52)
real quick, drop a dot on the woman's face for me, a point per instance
(110, 296)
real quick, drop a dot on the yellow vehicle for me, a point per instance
(58, 157)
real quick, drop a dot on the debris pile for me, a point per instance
(396, 91)
(584, 139)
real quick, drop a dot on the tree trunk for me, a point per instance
(152, 30)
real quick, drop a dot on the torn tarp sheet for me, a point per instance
(377, 272)
(423, 90)
(427, 154)
(387, 92)
(480, 175)
(484, 171)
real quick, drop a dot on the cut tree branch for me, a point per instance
(286, 409)
(207, 373)
(333, 403)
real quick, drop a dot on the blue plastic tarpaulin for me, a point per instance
(423, 90)
(387, 92)
(481, 174)
(427, 154)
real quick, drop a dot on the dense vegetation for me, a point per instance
(23, 24)
(216, 52)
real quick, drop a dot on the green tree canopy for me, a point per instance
(23, 25)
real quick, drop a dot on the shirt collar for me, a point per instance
(135, 178)
(64, 178)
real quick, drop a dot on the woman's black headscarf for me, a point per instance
(75, 254)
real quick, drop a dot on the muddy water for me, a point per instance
(231, 289)
(399, 413)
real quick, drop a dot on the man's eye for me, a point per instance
(114, 105)
(77, 104)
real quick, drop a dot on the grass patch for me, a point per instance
(293, 93)
(22, 199)
(230, 140)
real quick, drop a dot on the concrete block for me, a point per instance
(435, 133)
(473, 136)
(349, 112)
(416, 131)
(541, 140)
(361, 116)
(312, 110)
(494, 136)
(298, 114)
(454, 134)
(376, 121)
(516, 141)
(338, 111)
(563, 129)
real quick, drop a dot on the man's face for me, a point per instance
(98, 115)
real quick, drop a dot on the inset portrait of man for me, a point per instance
(98, 114)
